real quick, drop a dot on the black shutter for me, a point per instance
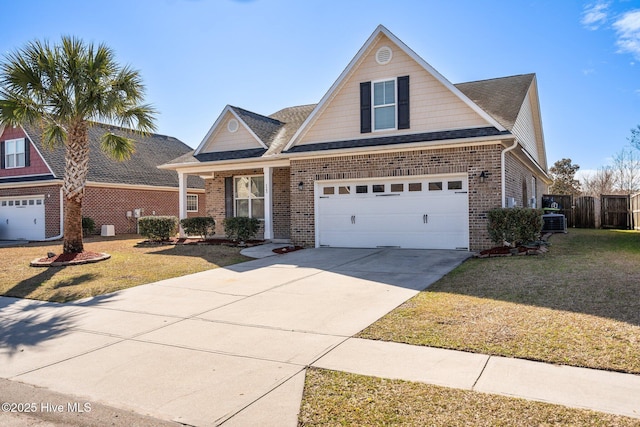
(2, 155)
(403, 102)
(365, 107)
(228, 197)
(27, 154)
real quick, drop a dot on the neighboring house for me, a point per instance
(393, 155)
(116, 192)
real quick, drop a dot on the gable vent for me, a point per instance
(232, 125)
(384, 55)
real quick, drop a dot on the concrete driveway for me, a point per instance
(226, 346)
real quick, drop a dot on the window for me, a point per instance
(384, 105)
(377, 188)
(435, 186)
(344, 189)
(249, 196)
(415, 186)
(328, 190)
(14, 155)
(454, 185)
(360, 189)
(192, 203)
(397, 188)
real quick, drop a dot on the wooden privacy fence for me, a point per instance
(616, 212)
(584, 214)
(634, 201)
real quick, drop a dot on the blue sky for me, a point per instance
(196, 56)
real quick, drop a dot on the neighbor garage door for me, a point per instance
(22, 218)
(430, 212)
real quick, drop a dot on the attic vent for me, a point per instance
(232, 125)
(384, 55)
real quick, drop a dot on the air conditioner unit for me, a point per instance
(554, 223)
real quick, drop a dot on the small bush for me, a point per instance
(158, 228)
(515, 225)
(202, 226)
(241, 229)
(88, 225)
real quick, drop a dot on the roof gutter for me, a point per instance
(502, 168)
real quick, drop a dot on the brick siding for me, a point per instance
(469, 160)
(109, 206)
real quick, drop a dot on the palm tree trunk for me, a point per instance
(75, 178)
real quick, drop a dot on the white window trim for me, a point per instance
(374, 106)
(15, 154)
(250, 198)
(192, 196)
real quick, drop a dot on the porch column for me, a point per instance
(182, 199)
(268, 203)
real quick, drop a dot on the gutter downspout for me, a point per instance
(502, 167)
(59, 236)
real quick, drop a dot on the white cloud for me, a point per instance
(595, 15)
(627, 28)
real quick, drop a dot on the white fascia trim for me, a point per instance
(382, 29)
(139, 187)
(218, 122)
(259, 162)
(46, 183)
(39, 153)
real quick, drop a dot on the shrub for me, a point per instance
(88, 225)
(198, 226)
(241, 228)
(515, 225)
(158, 228)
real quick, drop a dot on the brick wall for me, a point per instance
(469, 160)
(109, 206)
(51, 204)
(519, 183)
(281, 196)
(36, 166)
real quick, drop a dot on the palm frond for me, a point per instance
(117, 147)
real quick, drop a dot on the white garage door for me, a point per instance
(429, 212)
(22, 218)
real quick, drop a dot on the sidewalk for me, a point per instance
(603, 391)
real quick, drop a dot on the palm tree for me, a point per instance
(65, 89)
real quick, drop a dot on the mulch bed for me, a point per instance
(196, 241)
(287, 249)
(509, 251)
(86, 257)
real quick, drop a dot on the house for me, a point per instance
(116, 192)
(393, 155)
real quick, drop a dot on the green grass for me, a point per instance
(576, 305)
(130, 265)
(341, 399)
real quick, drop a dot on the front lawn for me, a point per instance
(576, 305)
(130, 265)
(342, 399)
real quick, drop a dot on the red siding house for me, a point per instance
(116, 193)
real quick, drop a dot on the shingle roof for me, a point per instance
(265, 128)
(399, 139)
(500, 97)
(151, 151)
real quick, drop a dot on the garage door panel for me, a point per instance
(22, 218)
(436, 219)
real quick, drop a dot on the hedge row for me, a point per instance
(515, 225)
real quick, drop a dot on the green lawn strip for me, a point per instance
(341, 399)
(576, 305)
(130, 265)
